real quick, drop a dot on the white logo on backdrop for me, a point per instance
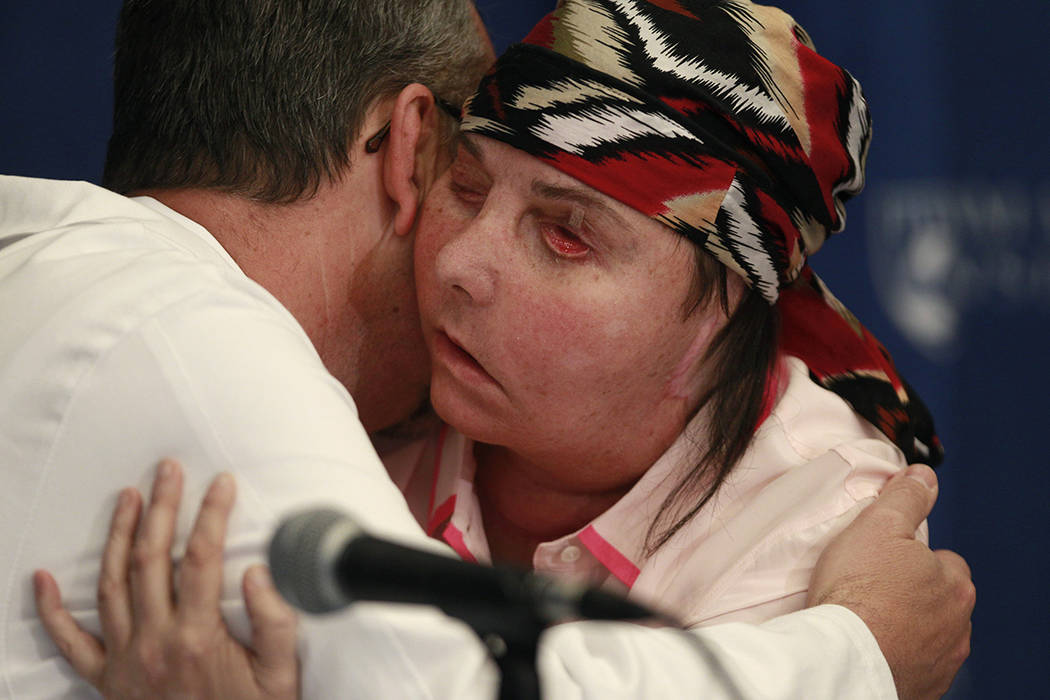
(941, 249)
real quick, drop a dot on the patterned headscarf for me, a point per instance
(718, 119)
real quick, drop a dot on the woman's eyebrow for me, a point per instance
(577, 196)
(465, 140)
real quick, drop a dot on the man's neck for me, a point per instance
(270, 243)
(307, 254)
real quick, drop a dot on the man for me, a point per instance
(278, 155)
(269, 272)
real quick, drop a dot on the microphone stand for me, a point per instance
(519, 679)
(510, 626)
(511, 633)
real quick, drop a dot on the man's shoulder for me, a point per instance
(65, 244)
(32, 205)
(78, 219)
(86, 269)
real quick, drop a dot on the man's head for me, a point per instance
(263, 98)
(254, 118)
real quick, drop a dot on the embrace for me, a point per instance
(570, 325)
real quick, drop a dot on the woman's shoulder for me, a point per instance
(809, 420)
(814, 464)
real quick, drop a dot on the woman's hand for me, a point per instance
(155, 647)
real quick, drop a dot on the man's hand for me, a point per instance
(155, 647)
(915, 601)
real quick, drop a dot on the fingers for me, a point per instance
(905, 501)
(273, 629)
(963, 592)
(200, 573)
(81, 650)
(960, 598)
(151, 560)
(952, 561)
(114, 599)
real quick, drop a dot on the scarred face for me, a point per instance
(555, 319)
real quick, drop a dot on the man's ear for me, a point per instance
(410, 163)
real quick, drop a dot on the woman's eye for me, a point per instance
(564, 242)
(468, 194)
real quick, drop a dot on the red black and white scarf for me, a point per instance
(718, 119)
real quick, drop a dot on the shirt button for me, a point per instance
(570, 554)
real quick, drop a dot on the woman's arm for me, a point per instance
(153, 646)
(915, 602)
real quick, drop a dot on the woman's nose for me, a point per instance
(467, 263)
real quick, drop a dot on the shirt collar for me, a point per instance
(202, 234)
(615, 540)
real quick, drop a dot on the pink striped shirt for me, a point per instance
(747, 556)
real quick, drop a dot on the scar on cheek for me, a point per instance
(576, 220)
(687, 375)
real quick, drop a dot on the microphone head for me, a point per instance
(303, 555)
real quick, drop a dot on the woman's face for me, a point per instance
(554, 316)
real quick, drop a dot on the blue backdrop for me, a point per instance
(946, 256)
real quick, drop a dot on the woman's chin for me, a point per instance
(463, 414)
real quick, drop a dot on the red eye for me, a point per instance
(564, 242)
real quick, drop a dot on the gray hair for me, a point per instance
(263, 98)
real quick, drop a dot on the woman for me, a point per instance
(635, 412)
(649, 387)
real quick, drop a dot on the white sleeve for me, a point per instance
(223, 386)
(824, 652)
(222, 381)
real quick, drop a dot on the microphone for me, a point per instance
(322, 561)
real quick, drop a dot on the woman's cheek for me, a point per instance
(571, 343)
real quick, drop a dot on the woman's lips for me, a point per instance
(452, 354)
